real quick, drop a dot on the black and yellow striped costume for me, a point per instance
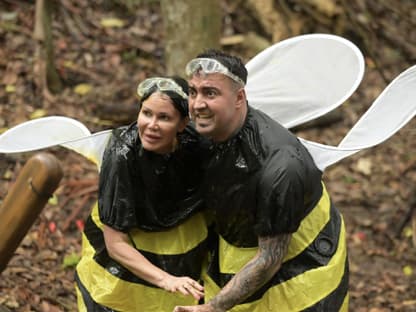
(263, 182)
(154, 198)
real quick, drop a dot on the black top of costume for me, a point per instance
(260, 182)
(142, 189)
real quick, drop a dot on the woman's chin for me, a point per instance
(156, 148)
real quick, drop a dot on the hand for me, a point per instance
(197, 308)
(184, 285)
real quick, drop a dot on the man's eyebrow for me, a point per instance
(203, 88)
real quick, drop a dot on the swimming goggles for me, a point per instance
(162, 84)
(210, 66)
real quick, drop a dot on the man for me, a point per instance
(281, 243)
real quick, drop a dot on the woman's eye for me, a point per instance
(147, 113)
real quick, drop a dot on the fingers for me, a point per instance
(192, 288)
(184, 309)
(196, 285)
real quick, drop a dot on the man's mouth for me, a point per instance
(203, 116)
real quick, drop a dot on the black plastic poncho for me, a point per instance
(146, 190)
(260, 182)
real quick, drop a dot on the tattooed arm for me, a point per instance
(251, 277)
(254, 274)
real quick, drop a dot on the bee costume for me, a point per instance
(155, 199)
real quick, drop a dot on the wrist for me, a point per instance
(162, 281)
(215, 306)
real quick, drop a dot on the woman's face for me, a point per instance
(159, 122)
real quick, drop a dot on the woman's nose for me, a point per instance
(153, 124)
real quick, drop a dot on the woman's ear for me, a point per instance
(182, 125)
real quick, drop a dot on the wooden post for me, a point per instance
(35, 184)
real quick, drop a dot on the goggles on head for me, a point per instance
(210, 66)
(162, 84)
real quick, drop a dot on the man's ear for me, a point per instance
(241, 98)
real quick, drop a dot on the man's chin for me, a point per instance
(204, 129)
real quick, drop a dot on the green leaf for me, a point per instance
(71, 260)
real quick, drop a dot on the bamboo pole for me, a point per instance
(35, 184)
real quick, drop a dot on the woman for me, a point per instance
(143, 246)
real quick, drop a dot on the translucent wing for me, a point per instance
(392, 109)
(293, 81)
(304, 77)
(52, 131)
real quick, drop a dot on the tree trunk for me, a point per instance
(191, 26)
(49, 77)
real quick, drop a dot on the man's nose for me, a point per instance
(199, 102)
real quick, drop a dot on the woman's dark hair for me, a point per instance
(178, 101)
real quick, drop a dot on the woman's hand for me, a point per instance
(197, 308)
(184, 285)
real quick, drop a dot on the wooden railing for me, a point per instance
(35, 184)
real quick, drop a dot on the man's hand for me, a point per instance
(197, 308)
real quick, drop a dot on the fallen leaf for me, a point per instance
(82, 88)
(407, 270)
(364, 166)
(53, 200)
(38, 113)
(112, 22)
(10, 88)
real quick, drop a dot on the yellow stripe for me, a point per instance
(80, 300)
(120, 295)
(177, 240)
(301, 291)
(344, 307)
(232, 258)
(310, 227)
(95, 216)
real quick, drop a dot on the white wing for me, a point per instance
(55, 130)
(293, 81)
(392, 109)
(304, 77)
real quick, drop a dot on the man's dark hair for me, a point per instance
(233, 63)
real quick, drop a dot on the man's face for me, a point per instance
(213, 103)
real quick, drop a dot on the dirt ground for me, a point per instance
(374, 189)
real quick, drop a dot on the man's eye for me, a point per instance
(211, 93)
(192, 93)
(147, 113)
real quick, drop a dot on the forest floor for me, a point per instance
(374, 189)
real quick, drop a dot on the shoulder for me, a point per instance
(191, 140)
(123, 141)
(283, 165)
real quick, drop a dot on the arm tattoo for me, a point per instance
(254, 274)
